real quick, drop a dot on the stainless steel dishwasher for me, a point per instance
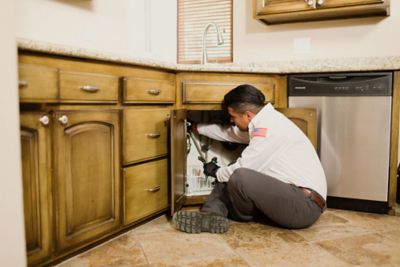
(354, 119)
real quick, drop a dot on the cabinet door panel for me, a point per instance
(87, 160)
(36, 187)
(178, 159)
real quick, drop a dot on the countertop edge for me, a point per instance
(383, 63)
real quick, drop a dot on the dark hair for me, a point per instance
(244, 98)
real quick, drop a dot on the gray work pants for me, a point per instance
(248, 193)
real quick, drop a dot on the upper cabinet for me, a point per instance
(282, 11)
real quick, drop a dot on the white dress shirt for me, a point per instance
(277, 148)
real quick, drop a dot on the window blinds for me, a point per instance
(193, 16)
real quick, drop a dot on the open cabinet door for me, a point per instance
(178, 159)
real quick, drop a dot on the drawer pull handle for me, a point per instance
(154, 91)
(154, 189)
(90, 88)
(22, 83)
(153, 135)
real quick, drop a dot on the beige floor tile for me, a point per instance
(263, 245)
(370, 221)
(338, 238)
(393, 235)
(282, 254)
(365, 250)
(331, 226)
(157, 225)
(121, 252)
(254, 235)
(181, 249)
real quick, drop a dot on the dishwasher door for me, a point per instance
(354, 143)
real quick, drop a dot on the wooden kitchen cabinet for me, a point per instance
(70, 154)
(107, 158)
(87, 178)
(145, 161)
(205, 92)
(304, 118)
(282, 11)
(37, 189)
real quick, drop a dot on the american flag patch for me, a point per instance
(261, 132)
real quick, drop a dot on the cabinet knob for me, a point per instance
(311, 3)
(154, 91)
(22, 83)
(63, 119)
(320, 2)
(44, 120)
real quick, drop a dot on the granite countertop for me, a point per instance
(294, 66)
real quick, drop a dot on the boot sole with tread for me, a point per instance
(196, 222)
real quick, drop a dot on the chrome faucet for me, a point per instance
(220, 40)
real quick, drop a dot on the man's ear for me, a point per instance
(250, 115)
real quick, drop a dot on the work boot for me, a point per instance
(196, 222)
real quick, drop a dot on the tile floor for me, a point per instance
(339, 238)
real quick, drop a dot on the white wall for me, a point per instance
(147, 28)
(124, 27)
(363, 37)
(12, 238)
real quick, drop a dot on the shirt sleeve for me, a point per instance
(224, 133)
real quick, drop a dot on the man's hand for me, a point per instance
(191, 127)
(210, 169)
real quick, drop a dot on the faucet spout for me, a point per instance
(220, 40)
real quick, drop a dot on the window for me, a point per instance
(193, 17)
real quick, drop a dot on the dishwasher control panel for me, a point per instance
(350, 84)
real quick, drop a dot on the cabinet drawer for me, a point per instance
(144, 134)
(140, 90)
(145, 189)
(194, 92)
(88, 87)
(37, 83)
